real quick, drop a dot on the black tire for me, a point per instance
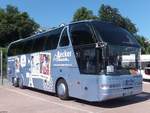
(21, 83)
(62, 89)
(15, 82)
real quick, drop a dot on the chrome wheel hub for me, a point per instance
(61, 89)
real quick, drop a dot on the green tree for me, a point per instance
(145, 45)
(83, 14)
(107, 13)
(15, 25)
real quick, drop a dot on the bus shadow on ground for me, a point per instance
(146, 80)
(119, 102)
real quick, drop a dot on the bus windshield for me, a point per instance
(121, 60)
(113, 34)
(122, 50)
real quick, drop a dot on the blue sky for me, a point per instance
(50, 13)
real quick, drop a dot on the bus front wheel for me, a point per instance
(62, 89)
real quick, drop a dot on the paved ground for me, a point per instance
(15, 100)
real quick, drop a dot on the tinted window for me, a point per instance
(113, 34)
(18, 47)
(52, 40)
(11, 50)
(81, 34)
(27, 46)
(15, 49)
(38, 44)
(64, 39)
(89, 60)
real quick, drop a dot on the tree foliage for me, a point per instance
(83, 14)
(145, 45)
(15, 25)
(107, 13)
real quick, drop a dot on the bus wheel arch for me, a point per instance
(61, 89)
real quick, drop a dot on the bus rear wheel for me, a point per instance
(62, 89)
(21, 83)
(15, 82)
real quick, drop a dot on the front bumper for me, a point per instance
(118, 93)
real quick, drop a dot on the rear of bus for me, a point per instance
(120, 62)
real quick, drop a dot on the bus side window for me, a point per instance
(81, 34)
(64, 41)
(15, 49)
(19, 48)
(12, 50)
(51, 40)
(81, 37)
(38, 44)
(27, 46)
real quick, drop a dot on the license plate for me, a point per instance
(129, 82)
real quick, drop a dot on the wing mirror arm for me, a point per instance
(101, 44)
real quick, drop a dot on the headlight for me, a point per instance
(109, 86)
